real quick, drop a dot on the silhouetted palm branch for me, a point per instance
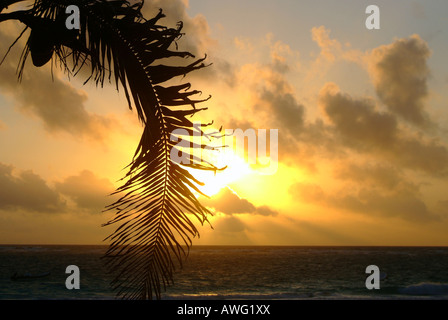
(116, 43)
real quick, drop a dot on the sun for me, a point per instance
(237, 169)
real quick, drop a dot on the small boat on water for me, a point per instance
(27, 275)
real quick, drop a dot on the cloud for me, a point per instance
(363, 128)
(27, 191)
(430, 157)
(404, 202)
(330, 48)
(356, 120)
(231, 224)
(283, 58)
(400, 72)
(221, 70)
(443, 206)
(197, 39)
(272, 104)
(57, 103)
(265, 211)
(283, 107)
(87, 191)
(309, 192)
(269, 93)
(228, 202)
(350, 125)
(377, 175)
(229, 230)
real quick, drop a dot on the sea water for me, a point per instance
(256, 272)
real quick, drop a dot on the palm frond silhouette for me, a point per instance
(158, 196)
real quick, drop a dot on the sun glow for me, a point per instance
(236, 169)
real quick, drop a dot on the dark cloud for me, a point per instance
(196, 40)
(197, 37)
(220, 69)
(430, 156)
(363, 128)
(384, 187)
(87, 191)
(404, 202)
(27, 191)
(62, 107)
(378, 175)
(356, 125)
(265, 211)
(228, 202)
(59, 105)
(400, 74)
(283, 107)
(357, 121)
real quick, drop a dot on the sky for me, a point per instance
(361, 117)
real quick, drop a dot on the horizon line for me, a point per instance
(246, 245)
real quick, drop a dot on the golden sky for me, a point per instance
(361, 117)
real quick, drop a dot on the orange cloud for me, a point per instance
(330, 48)
(87, 191)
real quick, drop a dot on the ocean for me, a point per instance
(237, 272)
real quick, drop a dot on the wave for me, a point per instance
(20, 248)
(279, 296)
(316, 295)
(426, 289)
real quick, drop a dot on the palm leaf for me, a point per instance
(116, 43)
